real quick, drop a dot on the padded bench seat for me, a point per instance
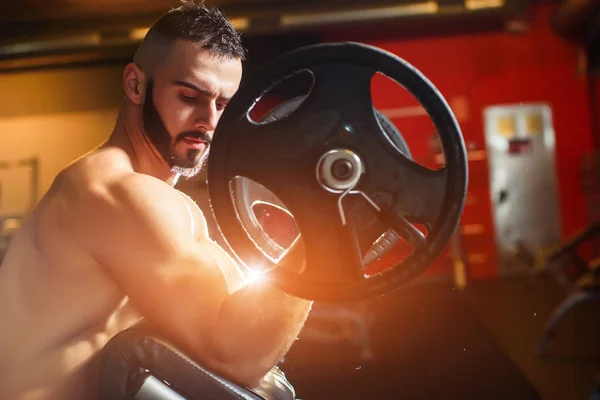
(139, 364)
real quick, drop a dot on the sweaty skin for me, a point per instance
(112, 241)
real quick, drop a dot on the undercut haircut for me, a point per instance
(196, 23)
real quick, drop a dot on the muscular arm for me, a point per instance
(139, 231)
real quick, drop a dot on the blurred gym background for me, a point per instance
(510, 310)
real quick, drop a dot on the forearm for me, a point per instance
(257, 325)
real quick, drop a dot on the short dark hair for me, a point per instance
(197, 23)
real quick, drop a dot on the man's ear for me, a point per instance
(134, 83)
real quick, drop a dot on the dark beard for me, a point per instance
(189, 165)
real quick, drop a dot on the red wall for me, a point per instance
(475, 71)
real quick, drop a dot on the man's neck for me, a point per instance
(144, 156)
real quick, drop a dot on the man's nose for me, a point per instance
(208, 118)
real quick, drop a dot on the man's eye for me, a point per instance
(221, 107)
(187, 98)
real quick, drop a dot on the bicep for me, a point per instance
(175, 282)
(231, 271)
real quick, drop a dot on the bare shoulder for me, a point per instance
(108, 175)
(101, 196)
(91, 172)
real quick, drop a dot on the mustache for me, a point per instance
(194, 135)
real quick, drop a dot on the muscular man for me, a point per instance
(112, 241)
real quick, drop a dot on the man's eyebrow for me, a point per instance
(198, 89)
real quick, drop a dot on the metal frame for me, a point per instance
(154, 389)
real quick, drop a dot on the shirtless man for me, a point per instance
(112, 241)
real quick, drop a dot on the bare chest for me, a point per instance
(60, 319)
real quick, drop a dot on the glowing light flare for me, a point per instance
(256, 275)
